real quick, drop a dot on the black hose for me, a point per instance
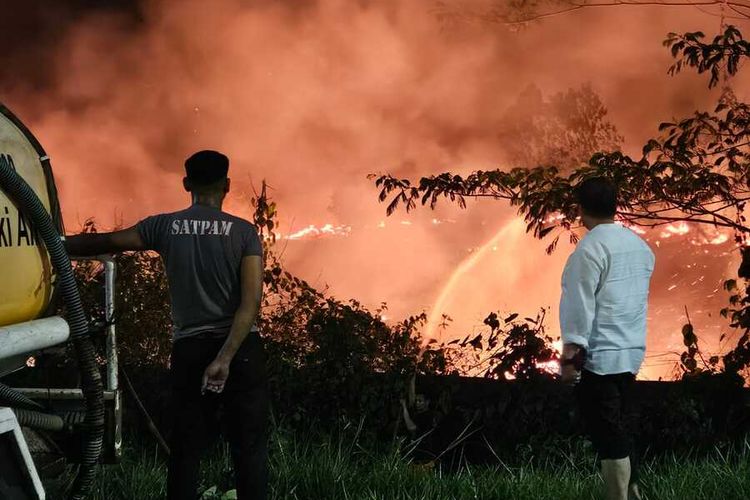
(38, 420)
(91, 382)
(13, 398)
(74, 418)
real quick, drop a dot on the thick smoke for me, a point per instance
(313, 96)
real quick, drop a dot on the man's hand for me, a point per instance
(569, 375)
(215, 376)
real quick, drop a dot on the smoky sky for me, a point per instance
(28, 29)
(313, 97)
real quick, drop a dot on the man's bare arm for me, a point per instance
(89, 244)
(247, 313)
(244, 319)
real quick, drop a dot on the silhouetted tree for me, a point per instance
(697, 171)
(518, 13)
(564, 130)
(510, 348)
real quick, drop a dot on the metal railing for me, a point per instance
(112, 451)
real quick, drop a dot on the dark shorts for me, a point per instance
(607, 410)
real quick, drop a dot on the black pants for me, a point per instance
(607, 409)
(242, 406)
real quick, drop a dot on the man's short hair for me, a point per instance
(206, 168)
(597, 197)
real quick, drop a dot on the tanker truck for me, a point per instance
(51, 437)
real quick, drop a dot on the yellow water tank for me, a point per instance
(26, 277)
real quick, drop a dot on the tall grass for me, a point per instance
(343, 467)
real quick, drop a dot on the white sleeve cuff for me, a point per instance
(580, 340)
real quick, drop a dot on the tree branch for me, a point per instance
(499, 18)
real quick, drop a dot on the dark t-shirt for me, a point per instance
(202, 249)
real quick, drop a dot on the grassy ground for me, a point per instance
(340, 468)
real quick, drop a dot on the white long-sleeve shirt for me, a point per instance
(605, 298)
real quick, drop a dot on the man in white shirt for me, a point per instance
(603, 326)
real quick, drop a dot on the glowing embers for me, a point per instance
(552, 366)
(342, 230)
(312, 232)
(632, 227)
(675, 229)
(699, 235)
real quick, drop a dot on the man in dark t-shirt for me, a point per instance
(214, 267)
(202, 248)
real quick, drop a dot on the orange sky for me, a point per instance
(313, 97)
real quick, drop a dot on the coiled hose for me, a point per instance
(91, 382)
(15, 399)
(73, 418)
(37, 420)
